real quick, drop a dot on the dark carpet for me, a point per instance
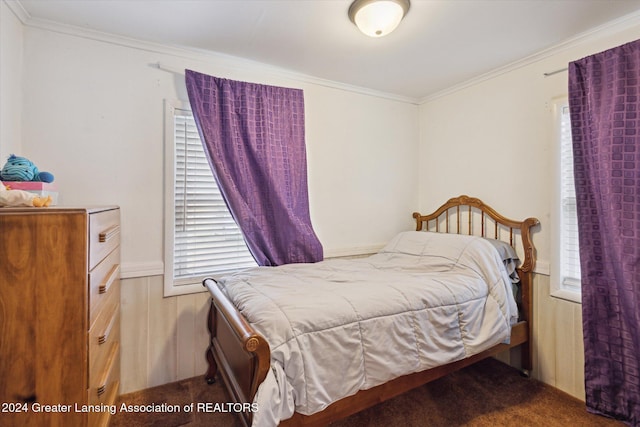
(488, 393)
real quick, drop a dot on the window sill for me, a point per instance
(567, 295)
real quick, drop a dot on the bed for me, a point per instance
(307, 344)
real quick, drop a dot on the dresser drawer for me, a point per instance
(105, 372)
(103, 335)
(104, 235)
(104, 281)
(104, 390)
(101, 386)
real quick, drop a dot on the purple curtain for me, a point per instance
(604, 101)
(253, 136)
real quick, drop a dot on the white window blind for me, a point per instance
(206, 240)
(569, 250)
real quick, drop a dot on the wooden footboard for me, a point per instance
(241, 356)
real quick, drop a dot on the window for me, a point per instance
(201, 237)
(565, 281)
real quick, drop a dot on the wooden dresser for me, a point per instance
(59, 315)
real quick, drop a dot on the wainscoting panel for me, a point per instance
(134, 333)
(559, 349)
(163, 339)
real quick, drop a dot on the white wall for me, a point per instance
(362, 153)
(11, 47)
(93, 116)
(493, 139)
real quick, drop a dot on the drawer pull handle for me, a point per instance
(105, 336)
(107, 234)
(113, 275)
(107, 372)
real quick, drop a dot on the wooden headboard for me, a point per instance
(468, 215)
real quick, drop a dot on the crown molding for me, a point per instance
(233, 62)
(229, 61)
(18, 10)
(626, 22)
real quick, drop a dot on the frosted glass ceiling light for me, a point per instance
(377, 18)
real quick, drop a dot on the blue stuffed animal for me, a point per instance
(22, 169)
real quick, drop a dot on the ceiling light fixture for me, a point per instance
(377, 18)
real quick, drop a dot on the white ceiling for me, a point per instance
(439, 44)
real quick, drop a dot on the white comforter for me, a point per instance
(339, 326)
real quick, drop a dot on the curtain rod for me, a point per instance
(160, 66)
(551, 73)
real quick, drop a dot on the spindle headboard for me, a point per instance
(469, 215)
